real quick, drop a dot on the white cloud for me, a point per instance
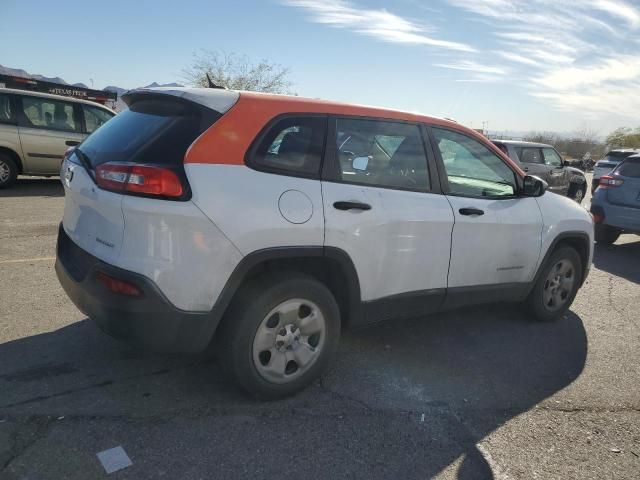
(377, 23)
(619, 9)
(582, 51)
(469, 66)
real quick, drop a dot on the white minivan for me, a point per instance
(37, 128)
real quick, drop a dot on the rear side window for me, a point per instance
(381, 154)
(7, 115)
(629, 168)
(291, 146)
(530, 155)
(43, 112)
(95, 117)
(154, 131)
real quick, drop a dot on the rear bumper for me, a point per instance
(150, 321)
(618, 216)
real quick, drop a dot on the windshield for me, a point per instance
(150, 131)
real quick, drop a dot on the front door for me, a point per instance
(382, 208)
(45, 127)
(558, 176)
(497, 235)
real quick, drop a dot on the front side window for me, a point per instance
(472, 169)
(51, 114)
(551, 157)
(94, 117)
(530, 155)
(6, 109)
(381, 153)
(293, 145)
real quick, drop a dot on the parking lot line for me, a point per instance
(26, 260)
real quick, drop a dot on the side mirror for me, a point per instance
(534, 186)
(360, 163)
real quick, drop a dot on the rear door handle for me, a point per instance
(471, 211)
(71, 143)
(351, 206)
(526, 169)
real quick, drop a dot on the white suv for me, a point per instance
(266, 224)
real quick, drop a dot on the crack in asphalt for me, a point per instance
(19, 447)
(104, 383)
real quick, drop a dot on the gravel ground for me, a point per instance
(477, 393)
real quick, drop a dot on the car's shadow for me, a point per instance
(621, 260)
(405, 398)
(34, 187)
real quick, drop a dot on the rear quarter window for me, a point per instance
(629, 168)
(292, 145)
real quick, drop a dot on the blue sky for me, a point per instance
(518, 65)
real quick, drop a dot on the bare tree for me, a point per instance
(624, 137)
(237, 72)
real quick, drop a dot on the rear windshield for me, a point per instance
(630, 168)
(150, 131)
(618, 156)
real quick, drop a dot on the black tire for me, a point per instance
(606, 235)
(577, 192)
(8, 171)
(535, 302)
(245, 318)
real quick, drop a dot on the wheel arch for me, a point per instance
(331, 266)
(579, 241)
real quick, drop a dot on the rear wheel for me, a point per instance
(606, 235)
(557, 286)
(279, 335)
(8, 171)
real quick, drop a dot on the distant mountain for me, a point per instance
(156, 85)
(18, 72)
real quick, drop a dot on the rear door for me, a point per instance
(496, 238)
(45, 127)
(383, 208)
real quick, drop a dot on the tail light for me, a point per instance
(140, 179)
(607, 181)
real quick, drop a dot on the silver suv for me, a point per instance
(544, 161)
(37, 128)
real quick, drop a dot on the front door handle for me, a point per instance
(471, 211)
(351, 206)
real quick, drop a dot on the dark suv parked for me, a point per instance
(544, 161)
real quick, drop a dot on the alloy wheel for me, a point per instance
(5, 172)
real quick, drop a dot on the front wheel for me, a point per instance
(577, 193)
(279, 335)
(557, 285)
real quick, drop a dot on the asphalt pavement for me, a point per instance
(478, 393)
